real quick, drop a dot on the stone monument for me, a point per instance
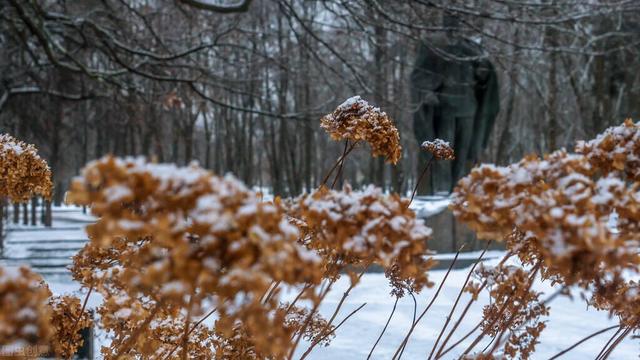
(454, 93)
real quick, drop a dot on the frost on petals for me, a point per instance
(368, 227)
(24, 314)
(554, 211)
(23, 173)
(180, 237)
(440, 149)
(356, 120)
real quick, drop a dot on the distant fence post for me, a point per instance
(25, 213)
(16, 213)
(47, 215)
(34, 205)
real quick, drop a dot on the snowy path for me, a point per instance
(47, 250)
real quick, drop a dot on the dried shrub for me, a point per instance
(366, 227)
(556, 211)
(168, 239)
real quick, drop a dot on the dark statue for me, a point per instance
(454, 91)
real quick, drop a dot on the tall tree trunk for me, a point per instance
(48, 214)
(16, 213)
(25, 214)
(34, 205)
(380, 95)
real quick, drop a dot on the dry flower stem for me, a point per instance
(514, 314)
(606, 345)
(466, 309)
(336, 311)
(453, 346)
(344, 158)
(435, 296)
(617, 342)
(422, 174)
(84, 305)
(340, 324)
(455, 304)
(582, 341)
(340, 160)
(137, 332)
(395, 304)
(308, 320)
(194, 327)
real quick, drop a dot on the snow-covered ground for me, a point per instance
(570, 320)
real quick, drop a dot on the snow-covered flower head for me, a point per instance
(24, 314)
(367, 227)
(555, 212)
(182, 236)
(23, 173)
(356, 120)
(440, 149)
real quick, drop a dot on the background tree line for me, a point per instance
(241, 86)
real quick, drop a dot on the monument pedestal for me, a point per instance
(448, 234)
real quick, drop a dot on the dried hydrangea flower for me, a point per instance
(67, 319)
(316, 330)
(616, 149)
(23, 173)
(557, 211)
(440, 149)
(169, 240)
(561, 205)
(356, 120)
(24, 314)
(367, 227)
(514, 309)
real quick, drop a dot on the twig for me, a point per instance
(335, 312)
(422, 174)
(193, 328)
(340, 323)
(395, 304)
(606, 345)
(455, 304)
(435, 296)
(615, 344)
(583, 340)
(84, 306)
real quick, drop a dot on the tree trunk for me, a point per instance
(34, 205)
(25, 214)
(48, 216)
(16, 213)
